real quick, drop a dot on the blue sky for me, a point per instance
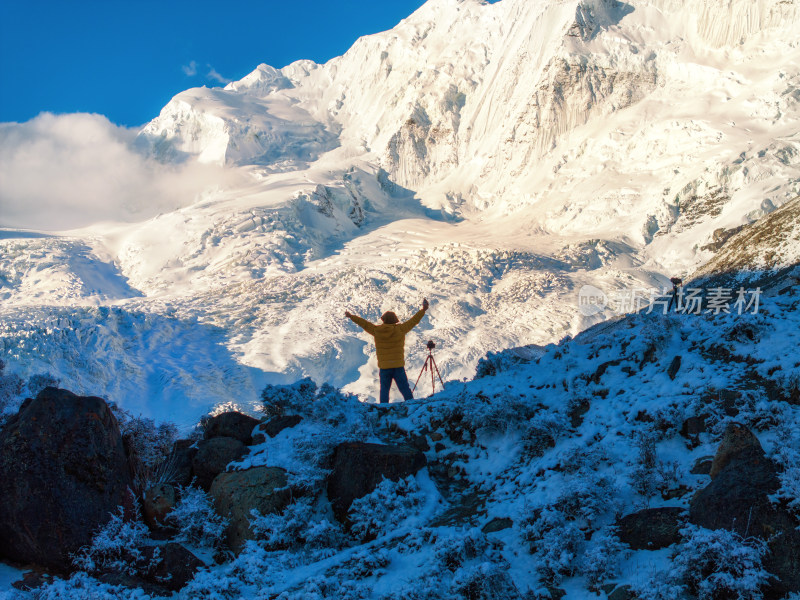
(125, 60)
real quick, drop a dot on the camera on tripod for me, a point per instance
(676, 281)
(430, 364)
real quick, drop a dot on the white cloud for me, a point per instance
(191, 69)
(60, 172)
(214, 74)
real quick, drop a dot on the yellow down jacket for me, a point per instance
(390, 340)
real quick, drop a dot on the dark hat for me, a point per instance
(390, 318)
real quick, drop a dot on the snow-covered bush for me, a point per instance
(786, 454)
(148, 445)
(650, 475)
(78, 586)
(711, 565)
(589, 499)
(282, 399)
(195, 519)
(601, 560)
(453, 551)
(484, 581)
(540, 434)
(385, 508)
(117, 546)
(554, 541)
(298, 527)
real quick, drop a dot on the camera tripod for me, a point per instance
(430, 363)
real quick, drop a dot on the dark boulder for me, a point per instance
(694, 426)
(63, 471)
(359, 467)
(233, 425)
(737, 499)
(742, 478)
(237, 493)
(651, 528)
(274, 426)
(497, 524)
(212, 458)
(171, 565)
(674, 367)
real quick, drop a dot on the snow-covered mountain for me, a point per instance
(492, 157)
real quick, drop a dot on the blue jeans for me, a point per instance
(400, 377)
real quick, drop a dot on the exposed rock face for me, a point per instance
(274, 426)
(233, 425)
(651, 528)
(738, 499)
(237, 493)
(157, 503)
(63, 471)
(739, 445)
(359, 467)
(213, 456)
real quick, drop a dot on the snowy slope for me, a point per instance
(494, 157)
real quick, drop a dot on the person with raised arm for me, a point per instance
(390, 339)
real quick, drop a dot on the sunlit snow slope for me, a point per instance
(492, 157)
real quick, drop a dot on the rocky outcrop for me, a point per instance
(737, 499)
(277, 424)
(63, 471)
(233, 425)
(359, 467)
(651, 528)
(213, 456)
(237, 493)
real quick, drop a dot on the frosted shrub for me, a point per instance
(148, 445)
(115, 547)
(280, 399)
(787, 455)
(485, 581)
(711, 565)
(540, 434)
(555, 543)
(587, 500)
(296, 528)
(644, 478)
(79, 586)
(601, 560)
(454, 551)
(196, 520)
(385, 508)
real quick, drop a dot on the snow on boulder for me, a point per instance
(63, 471)
(359, 467)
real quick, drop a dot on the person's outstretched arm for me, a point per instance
(363, 323)
(413, 321)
